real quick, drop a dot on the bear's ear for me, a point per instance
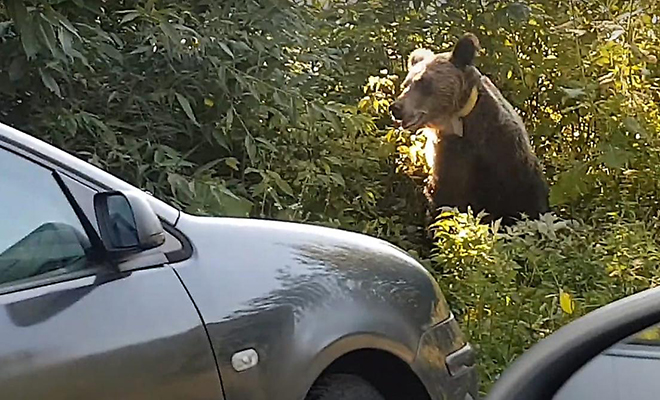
(418, 56)
(465, 51)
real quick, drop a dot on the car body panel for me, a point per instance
(446, 363)
(135, 336)
(626, 371)
(301, 296)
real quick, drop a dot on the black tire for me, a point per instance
(343, 387)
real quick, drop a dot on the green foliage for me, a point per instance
(236, 109)
(512, 287)
(278, 109)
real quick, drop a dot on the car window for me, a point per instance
(171, 244)
(649, 337)
(40, 234)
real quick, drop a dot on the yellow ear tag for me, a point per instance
(469, 105)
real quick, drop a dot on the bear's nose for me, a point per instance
(395, 110)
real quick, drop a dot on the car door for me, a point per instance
(628, 370)
(73, 327)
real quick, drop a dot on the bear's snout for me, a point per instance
(396, 110)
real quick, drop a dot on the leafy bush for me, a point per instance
(240, 109)
(511, 287)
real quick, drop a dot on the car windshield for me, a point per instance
(511, 147)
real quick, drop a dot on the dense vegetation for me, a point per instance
(272, 109)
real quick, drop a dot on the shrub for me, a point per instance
(511, 287)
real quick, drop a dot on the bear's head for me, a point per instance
(437, 87)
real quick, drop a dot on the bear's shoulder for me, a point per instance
(498, 106)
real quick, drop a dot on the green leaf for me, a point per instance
(185, 104)
(255, 93)
(18, 11)
(633, 125)
(250, 147)
(250, 170)
(294, 112)
(329, 115)
(179, 186)
(169, 31)
(111, 52)
(150, 5)
(29, 41)
(222, 76)
(226, 49)
(338, 179)
(241, 46)
(573, 93)
(232, 163)
(79, 56)
(267, 143)
(48, 36)
(209, 165)
(142, 49)
(229, 119)
(65, 22)
(614, 157)
(282, 184)
(221, 139)
(231, 204)
(50, 82)
(129, 17)
(277, 99)
(530, 80)
(66, 40)
(570, 185)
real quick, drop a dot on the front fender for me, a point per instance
(300, 295)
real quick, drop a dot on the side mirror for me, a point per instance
(127, 223)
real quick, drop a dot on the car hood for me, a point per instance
(257, 263)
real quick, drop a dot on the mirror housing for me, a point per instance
(127, 223)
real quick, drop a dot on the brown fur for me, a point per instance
(490, 167)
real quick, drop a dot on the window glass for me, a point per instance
(650, 336)
(40, 234)
(171, 244)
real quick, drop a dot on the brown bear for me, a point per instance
(482, 155)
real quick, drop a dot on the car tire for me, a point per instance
(343, 387)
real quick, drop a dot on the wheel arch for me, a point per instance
(382, 362)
